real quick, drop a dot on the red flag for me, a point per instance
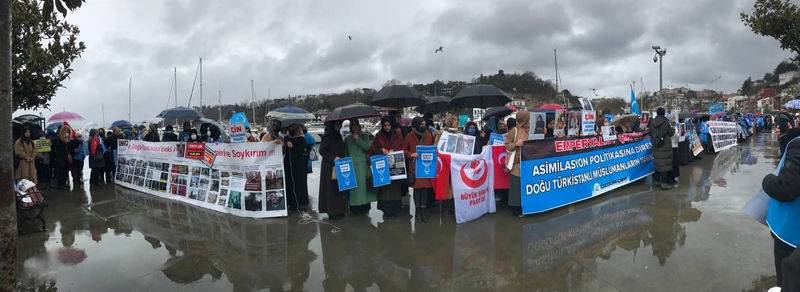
(441, 184)
(500, 174)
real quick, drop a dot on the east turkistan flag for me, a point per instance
(634, 105)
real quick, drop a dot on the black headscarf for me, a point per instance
(390, 120)
(330, 130)
(511, 123)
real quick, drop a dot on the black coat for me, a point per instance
(170, 137)
(663, 153)
(331, 200)
(152, 137)
(785, 187)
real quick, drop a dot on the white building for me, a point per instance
(730, 104)
(786, 77)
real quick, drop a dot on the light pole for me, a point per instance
(659, 58)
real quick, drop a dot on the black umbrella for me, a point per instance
(353, 111)
(398, 96)
(435, 105)
(122, 124)
(498, 111)
(180, 113)
(480, 96)
(29, 119)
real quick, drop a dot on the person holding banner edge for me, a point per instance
(423, 193)
(387, 140)
(514, 140)
(331, 200)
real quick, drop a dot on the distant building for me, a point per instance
(732, 101)
(767, 92)
(519, 103)
(787, 77)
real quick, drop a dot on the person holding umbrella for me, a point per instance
(294, 161)
(423, 192)
(387, 140)
(332, 147)
(357, 146)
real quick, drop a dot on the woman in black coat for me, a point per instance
(294, 163)
(331, 200)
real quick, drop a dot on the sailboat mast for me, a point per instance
(219, 105)
(130, 80)
(201, 83)
(253, 94)
(175, 80)
(103, 111)
(269, 95)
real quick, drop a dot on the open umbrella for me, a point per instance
(398, 96)
(179, 113)
(792, 104)
(290, 115)
(353, 111)
(64, 117)
(551, 106)
(122, 124)
(498, 111)
(621, 120)
(435, 105)
(29, 119)
(480, 96)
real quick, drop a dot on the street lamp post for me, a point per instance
(659, 58)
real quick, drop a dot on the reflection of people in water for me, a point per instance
(539, 129)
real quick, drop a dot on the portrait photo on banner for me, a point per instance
(537, 127)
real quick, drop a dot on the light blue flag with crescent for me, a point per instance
(634, 104)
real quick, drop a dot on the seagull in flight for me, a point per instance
(349, 37)
(439, 50)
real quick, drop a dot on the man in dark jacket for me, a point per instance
(169, 134)
(152, 134)
(784, 213)
(661, 132)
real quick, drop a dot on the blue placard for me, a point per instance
(563, 173)
(496, 139)
(379, 166)
(425, 164)
(609, 117)
(345, 173)
(716, 108)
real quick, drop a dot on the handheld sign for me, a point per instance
(587, 122)
(42, 145)
(425, 164)
(238, 133)
(496, 139)
(345, 173)
(379, 165)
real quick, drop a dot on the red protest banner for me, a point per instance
(195, 150)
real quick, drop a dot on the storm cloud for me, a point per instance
(302, 47)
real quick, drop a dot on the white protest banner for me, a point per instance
(456, 143)
(472, 178)
(238, 133)
(246, 179)
(723, 134)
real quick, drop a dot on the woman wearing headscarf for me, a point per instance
(423, 192)
(62, 156)
(96, 161)
(152, 134)
(294, 161)
(271, 134)
(193, 137)
(387, 140)
(169, 134)
(471, 128)
(357, 146)
(79, 149)
(513, 142)
(111, 155)
(331, 200)
(26, 153)
(186, 131)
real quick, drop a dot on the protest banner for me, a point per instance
(537, 126)
(195, 150)
(397, 165)
(463, 120)
(499, 156)
(497, 139)
(556, 173)
(425, 163)
(245, 180)
(42, 145)
(473, 188)
(238, 133)
(379, 166)
(441, 183)
(587, 123)
(723, 134)
(345, 173)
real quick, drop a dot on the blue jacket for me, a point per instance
(783, 213)
(82, 152)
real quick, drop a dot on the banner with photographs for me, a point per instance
(560, 126)
(247, 179)
(723, 134)
(574, 123)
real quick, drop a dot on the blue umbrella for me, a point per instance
(180, 113)
(793, 104)
(122, 124)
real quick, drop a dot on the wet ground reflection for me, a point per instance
(692, 238)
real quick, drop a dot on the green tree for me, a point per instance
(784, 67)
(779, 19)
(44, 46)
(747, 86)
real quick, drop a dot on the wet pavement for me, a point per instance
(692, 238)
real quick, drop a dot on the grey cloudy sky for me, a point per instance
(301, 47)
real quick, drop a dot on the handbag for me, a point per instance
(312, 155)
(510, 154)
